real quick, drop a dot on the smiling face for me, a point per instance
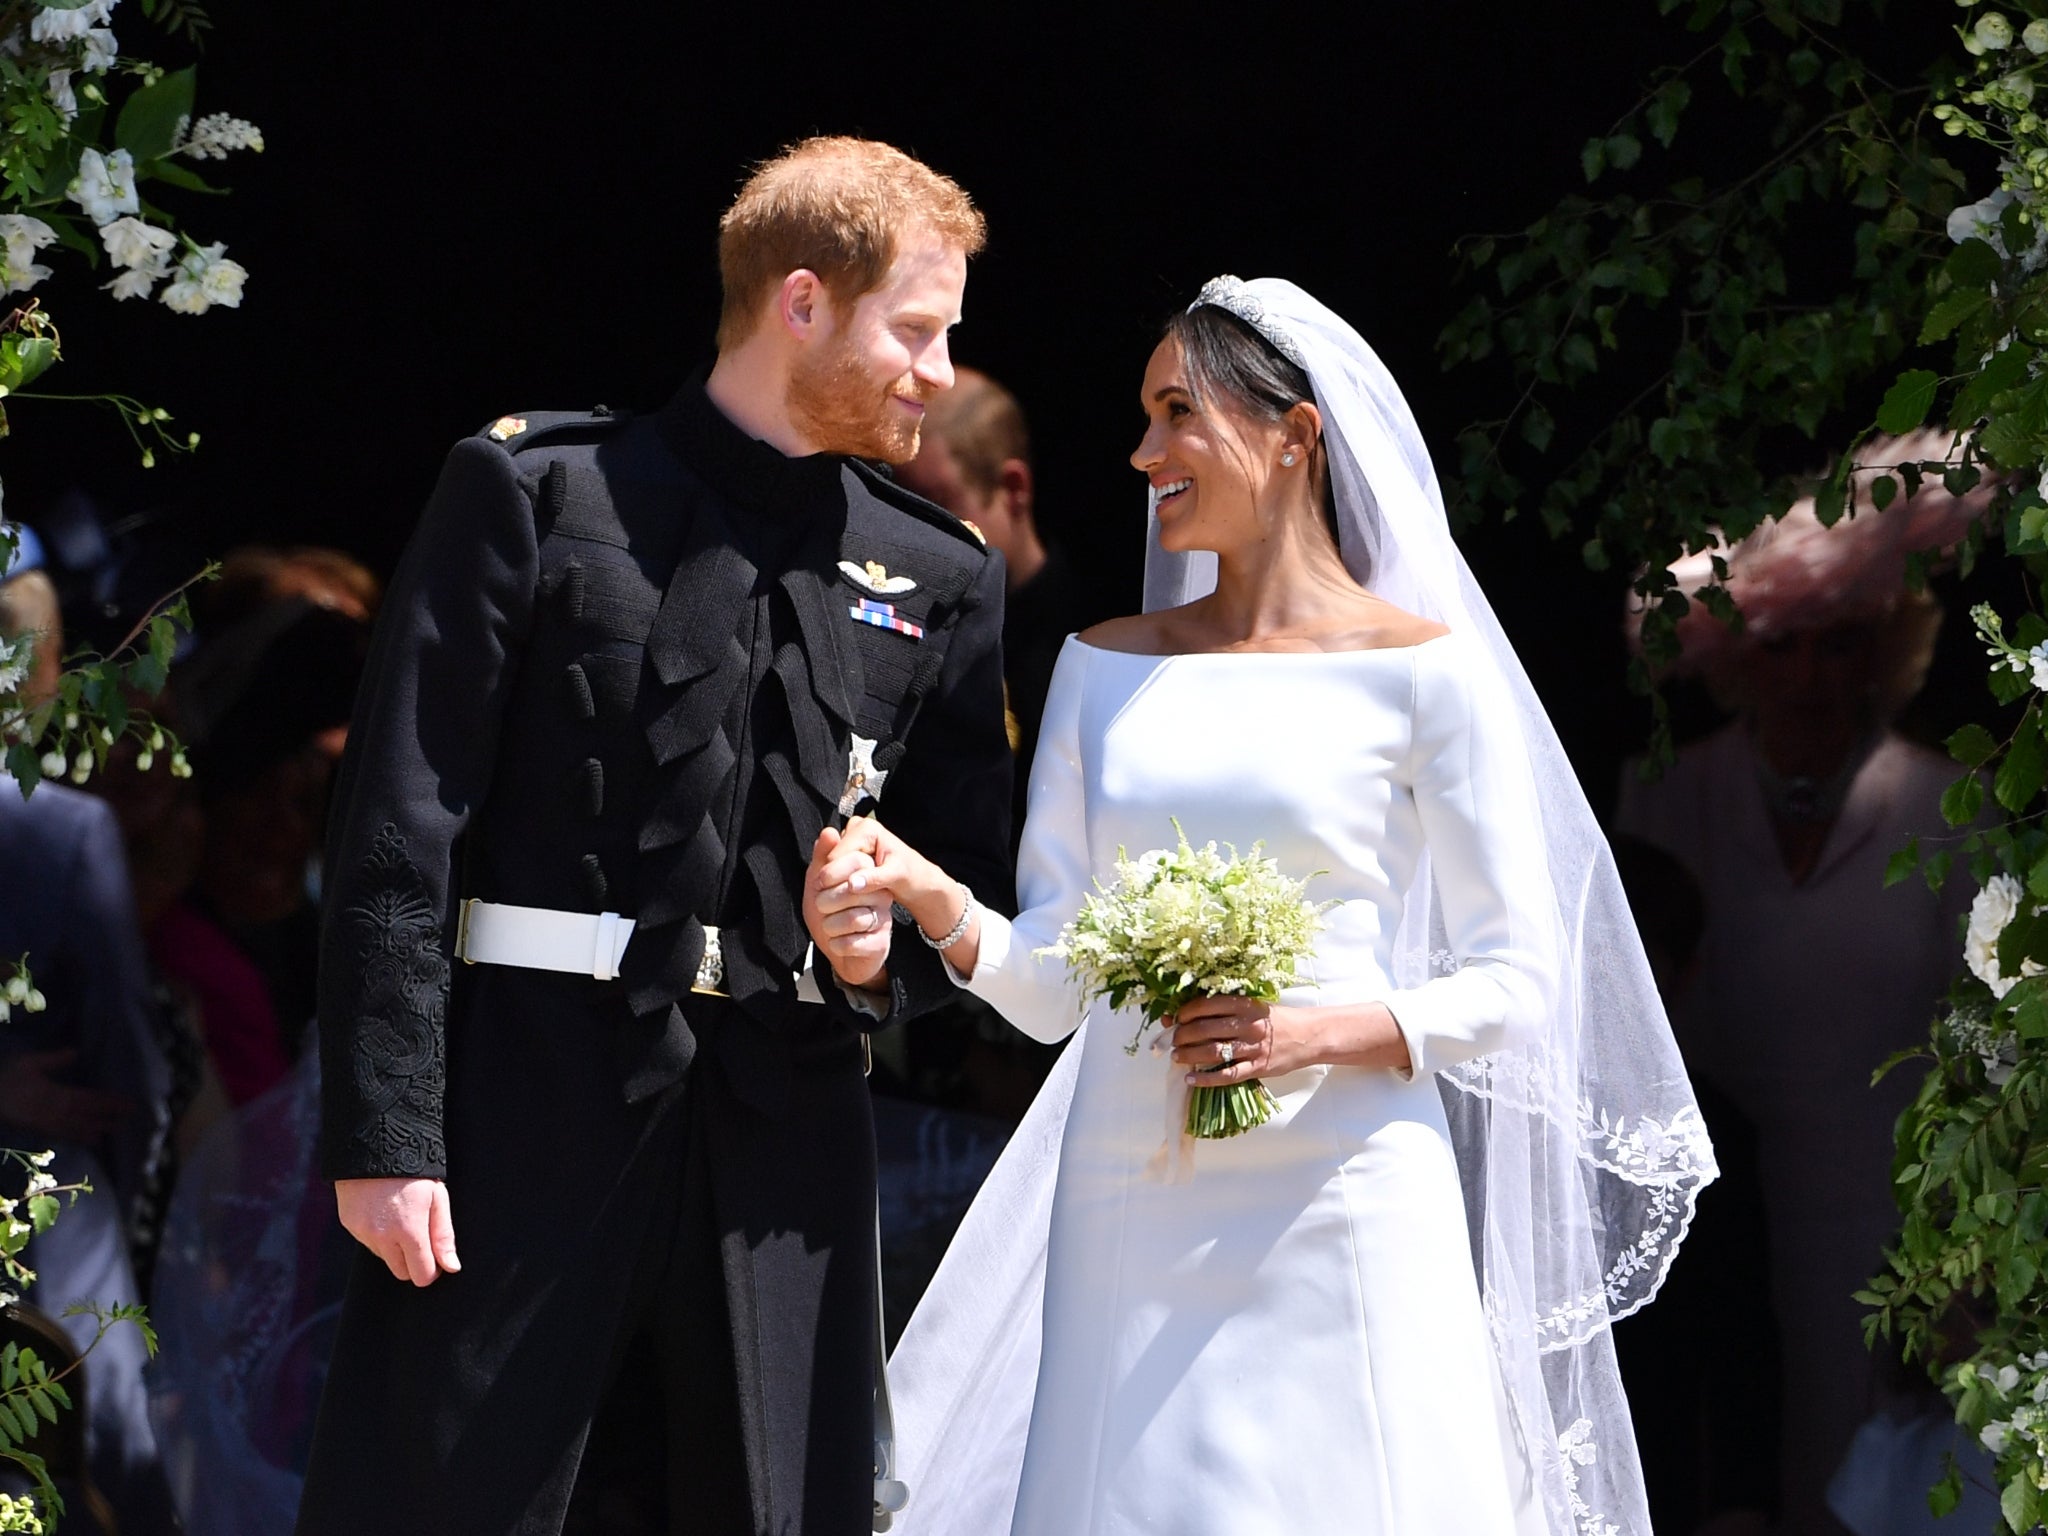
(861, 386)
(1208, 461)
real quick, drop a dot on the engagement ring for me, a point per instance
(1229, 1052)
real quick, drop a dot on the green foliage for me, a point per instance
(1662, 355)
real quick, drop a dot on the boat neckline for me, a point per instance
(1362, 650)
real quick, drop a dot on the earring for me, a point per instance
(1287, 459)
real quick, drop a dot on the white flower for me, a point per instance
(40, 1183)
(61, 95)
(53, 765)
(1979, 220)
(42, 1159)
(55, 26)
(1993, 31)
(214, 136)
(23, 237)
(1992, 908)
(2036, 36)
(105, 185)
(15, 657)
(101, 51)
(132, 243)
(2007, 1378)
(205, 278)
(1994, 1435)
(136, 282)
(2038, 662)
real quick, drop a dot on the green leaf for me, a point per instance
(1593, 158)
(1959, 306)
(24, 358)
(1671, 99)
(1883, 490)
(2015, 1501)
(1974, 264)
(2025, 768)
(1962, 800)
(148, 125)
(1907, 402)
(1901, 865)
(1624, 150)
(173, 173)
(1972, 746)
(1945, 1495)
(42, 1212)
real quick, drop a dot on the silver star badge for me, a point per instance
(863, 778)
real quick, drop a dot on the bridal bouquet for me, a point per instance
(1181, 923)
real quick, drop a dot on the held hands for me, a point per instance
(846, 909)
(405, 1222)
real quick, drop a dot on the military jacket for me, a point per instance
(635, 666)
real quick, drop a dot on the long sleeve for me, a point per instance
(422, 744)
(1032, 991)
(950, 797)
(1480, 823)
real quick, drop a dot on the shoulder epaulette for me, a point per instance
(888, 488)
(538, 428)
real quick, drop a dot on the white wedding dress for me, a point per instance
(1281, 1332)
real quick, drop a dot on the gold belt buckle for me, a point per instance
(710, 980)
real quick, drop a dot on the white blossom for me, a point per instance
(53, 765)
(2007, 1378)
(203, 279)
(40, 1183)
(1979, 220)
(1991, 909)
(105, 185)
(2037, 660)
(132, 243)
(54, 26)
(15, 658)
(1993, 31)
(61, 95)
(1995, 1435)
(2036, 36)
(101, 52)
(137, 282)
(42, 1159)
(214, 136)
(23, 236)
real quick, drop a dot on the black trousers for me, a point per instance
(664, 1456)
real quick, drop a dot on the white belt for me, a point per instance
(583, 944)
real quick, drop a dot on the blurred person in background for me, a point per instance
(265, 701)
(974, 459)
(1702, 1366)
(85, 1077)
(1811, 972)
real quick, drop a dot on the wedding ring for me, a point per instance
(1229, 1052)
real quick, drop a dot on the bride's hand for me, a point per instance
(870, 859)
(1265, 1039)
(1269, 1040)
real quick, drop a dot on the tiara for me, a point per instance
(1232, 293)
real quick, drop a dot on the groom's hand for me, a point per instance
(848, 914)
(405, 1222)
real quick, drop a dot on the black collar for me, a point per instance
(760, 477)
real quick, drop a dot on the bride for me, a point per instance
(1384, 1311)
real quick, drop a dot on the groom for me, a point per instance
(600, 1130)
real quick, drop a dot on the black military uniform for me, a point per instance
(634, 667)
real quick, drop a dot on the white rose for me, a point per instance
(1993, 31)
(132, 243)
(105, 185)
(1990, 910)
(2036, 36)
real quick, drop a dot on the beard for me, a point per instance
(837, 404)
